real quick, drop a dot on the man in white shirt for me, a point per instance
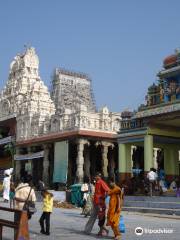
(152, 177)
(24, 192)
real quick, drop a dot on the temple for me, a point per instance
(58, 135)
(150, 137)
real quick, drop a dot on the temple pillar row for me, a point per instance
(83, 161)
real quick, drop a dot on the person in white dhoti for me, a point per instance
(6, 186)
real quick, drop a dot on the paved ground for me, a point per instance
(69, 224)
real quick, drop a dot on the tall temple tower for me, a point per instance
(71, 89)
(25, 96)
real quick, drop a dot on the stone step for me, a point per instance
(152, 204)
(153, 199)
(152, 210)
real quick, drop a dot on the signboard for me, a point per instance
(5, 140)
(28, 167)
(29, 156)
(60, 162)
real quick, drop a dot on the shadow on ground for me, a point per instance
(82, 233)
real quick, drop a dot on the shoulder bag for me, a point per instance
(29, 206)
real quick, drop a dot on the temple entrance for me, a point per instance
(137, 159)
(71, 177)
(137, 155)
(160, 159)
(37, 169)
(95, 159)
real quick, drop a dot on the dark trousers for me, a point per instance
(45, 217)
(17, 216)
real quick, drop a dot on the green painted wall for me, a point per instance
(60, 162)
(122, 158)
(171, 158)
(128, 158)
(125, 163)
(148, 152)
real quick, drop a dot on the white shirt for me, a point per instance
(85, 189)
(152, 176)
(22, 192)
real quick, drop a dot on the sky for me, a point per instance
(120, 44)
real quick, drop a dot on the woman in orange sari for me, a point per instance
(114, 210)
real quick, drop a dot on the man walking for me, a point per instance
(99, 207)
(152, 177)
(24, 192)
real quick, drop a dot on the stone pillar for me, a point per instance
(80, 160)
(122, 161)
(45, 175)
(111, 164)
(129, 162)
(30, 162)
(148, 153)
(17, 166)
(87, 163)
(105, 162)
(155, 150)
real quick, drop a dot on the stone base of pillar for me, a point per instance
(45, 177)
(170, 177)
(124, 176)
(17, 170)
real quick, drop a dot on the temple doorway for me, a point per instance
(137, 159)
(160, 159)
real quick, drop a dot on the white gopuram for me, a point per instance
(70, 106)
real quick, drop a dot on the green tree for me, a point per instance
(10, 149)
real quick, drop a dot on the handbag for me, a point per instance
(29, 206)
(122, 225)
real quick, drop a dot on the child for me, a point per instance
(47, 210)
(11, 195)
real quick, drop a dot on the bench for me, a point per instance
(20, 224)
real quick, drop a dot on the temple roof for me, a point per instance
(172, 60)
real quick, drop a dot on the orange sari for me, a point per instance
(114, 210)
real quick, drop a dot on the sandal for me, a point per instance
(117, 237)
(107, 231)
